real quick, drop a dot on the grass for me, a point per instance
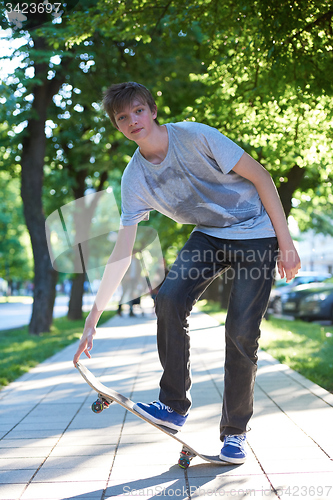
(16, 298)
(21, 351)
(306, 347)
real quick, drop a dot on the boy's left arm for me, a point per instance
(288, 261)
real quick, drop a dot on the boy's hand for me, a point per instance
(86, 343)
(288, 262)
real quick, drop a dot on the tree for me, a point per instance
(264, 90)
(15, 258)
(253, 61)
(75, 138)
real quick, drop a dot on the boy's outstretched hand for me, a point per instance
(86, 343)
(288, 262)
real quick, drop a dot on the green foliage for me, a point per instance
(261, 73)
(280, 131)
(15, 254)
(81, 142)
(298, 36)
(314, 210)
(306, 347)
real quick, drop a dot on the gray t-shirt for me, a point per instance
(195, 184)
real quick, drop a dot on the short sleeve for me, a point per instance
(223, 150)
(133, 208)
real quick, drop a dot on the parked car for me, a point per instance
(317, 305)
(281, 287)
(309, 302)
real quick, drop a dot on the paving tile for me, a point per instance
(297, 466)
(92, 490)
(92, 440)
(11, 491)
(5, 427)
(42, 426)
(32, 434)
(28, 443)
(103, 460)
(56, 475)
(46, 411)
(199, 468)
(33, 452)
(147, 437)
(82, 450)
(13, 416)
(166, 459)
(19, 463)
(16, 476)
(151, 449)
(154, 472)
(314, 485)
(225, 486)
(150, 487)
(288, 452)
(76, 449)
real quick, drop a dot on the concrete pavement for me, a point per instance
(52, 446)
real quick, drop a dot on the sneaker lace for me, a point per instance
(162, 406)
(237, 440)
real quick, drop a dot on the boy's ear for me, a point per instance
(154, 112)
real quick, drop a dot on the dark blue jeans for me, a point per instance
(201, 260)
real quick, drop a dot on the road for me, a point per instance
(15, 315)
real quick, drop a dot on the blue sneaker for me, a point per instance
(233, 449)
(161, 414)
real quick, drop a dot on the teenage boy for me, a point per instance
(195, 175)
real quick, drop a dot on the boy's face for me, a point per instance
(136, 121)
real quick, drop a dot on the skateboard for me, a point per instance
(106, 396)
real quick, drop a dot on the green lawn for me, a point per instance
(21, 351)
(305, 347)
(16, 298)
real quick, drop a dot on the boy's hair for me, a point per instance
(120, 95)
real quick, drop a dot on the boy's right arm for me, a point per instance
(288, 260)
(115, 269)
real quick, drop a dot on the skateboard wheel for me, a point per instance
(184, 462)
(184, 459)
(97, 406)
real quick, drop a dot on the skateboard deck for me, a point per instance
(106, 396)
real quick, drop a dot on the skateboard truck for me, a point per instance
(185, 458)
(101, 404)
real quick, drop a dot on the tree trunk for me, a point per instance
(77, 290)
(287, 189)
(32, 163)
(31, 191)
(75, 301)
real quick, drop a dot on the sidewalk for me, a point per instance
(52, 446)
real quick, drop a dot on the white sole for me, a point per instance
(235, 461)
